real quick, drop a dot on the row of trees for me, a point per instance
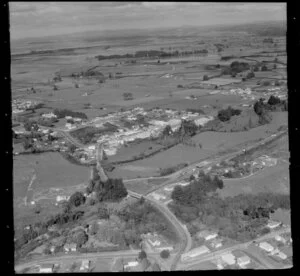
(169, 170)
(62, 113)
(153, 54)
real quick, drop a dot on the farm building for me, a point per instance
(46, 268)
(243, 261)
(266, 246)
(228, 258)
(207, 235)
(195, 252)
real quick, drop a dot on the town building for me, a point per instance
(70, 247)
(243, 261)
(216, 243)
(62, 198)
(46, 268)
(85, 265)
(228, 258)
(195, 252)
(266, 246)
(282, 255)
(49, 115)
(131, 264)
(280, 239)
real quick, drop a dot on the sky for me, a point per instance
(38, 19)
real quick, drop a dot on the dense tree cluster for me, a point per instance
(142, 218)
(197, 190)
(242, 217)
(62, 113)
(87, 134)
(235, 68)
(77, 199)
(30, 125)
(273, 104)
(225, 114)
(127, 96)
(111, 190)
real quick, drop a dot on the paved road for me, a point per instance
(243, 246)
(185, 172)
(78, 256)
(186, 241)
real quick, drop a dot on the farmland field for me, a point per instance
(43, 165)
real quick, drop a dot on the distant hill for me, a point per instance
(272, 28)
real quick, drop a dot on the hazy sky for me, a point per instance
(34, 19)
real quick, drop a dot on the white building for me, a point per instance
(243, 261)
(85, 265)
(203, 120)
(273, 224)
(280, 239)
(282, 255)
(195, 252)
(207, 235)
(217, 243)
(70, 247)
(46, 268)
(266, 246)
(228, 258)
(62, 198)
(131, 264)
(158, 196)
(49, 115)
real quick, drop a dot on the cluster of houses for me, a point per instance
(155, 242)
(211, 239)
(50, 267)
(19, 105)
(232, 259)
(113, 141)
(275, 91)
(246, 93)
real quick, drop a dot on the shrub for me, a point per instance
(127, 96)
(273, 100)
(165, 254)
(205, 77)
(76, 199)
(142, 255)
(225, 114)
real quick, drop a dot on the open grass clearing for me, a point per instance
(271, 179)
(51, 170)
